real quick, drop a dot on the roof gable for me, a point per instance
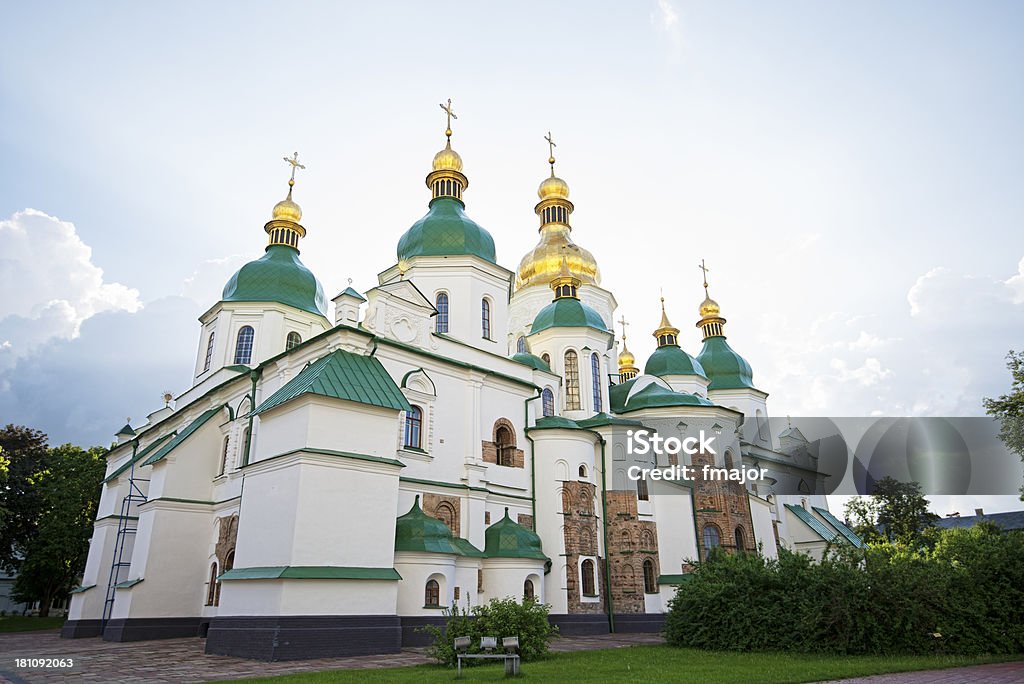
(184, 434)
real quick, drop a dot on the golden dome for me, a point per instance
(448, 159)
(626, 358)
(709, 307)
(543, 263)
(287, 210)
(553, 186)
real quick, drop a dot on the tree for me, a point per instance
(896, 511)
(25, 455)
(69, 492)
(1009, 408)
(862, 516)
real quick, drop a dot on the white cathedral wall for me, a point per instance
(764, 532)
(584, 341)
(505, 577)
(416, 570)
(308, 597)
(692, 384)
(88, 605)
(753, 405)
(677, 535)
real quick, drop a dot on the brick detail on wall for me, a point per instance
(580, 530)
(227, 535)
(722, 504)
(489, 449)
(525, 520)
(444, 508)
(631, 541)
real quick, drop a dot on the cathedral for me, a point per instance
(335, 477)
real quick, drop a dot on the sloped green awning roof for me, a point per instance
(417, 531)
(508, 539)
(812, 522)
(139, 456)
(183, 435)
(835, 522)
(342, 375)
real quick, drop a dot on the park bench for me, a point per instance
(488, 646)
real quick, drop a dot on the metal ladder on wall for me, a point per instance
(125, 526)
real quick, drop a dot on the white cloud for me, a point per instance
(1016, 284)
(665, 19)
(50, 284)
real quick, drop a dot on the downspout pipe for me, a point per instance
(254, 376)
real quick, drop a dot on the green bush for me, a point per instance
(499, 618)
(961, 593)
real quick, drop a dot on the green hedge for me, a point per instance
(961, 592)
(499, 618)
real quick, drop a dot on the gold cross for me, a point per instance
(551, 146)
(622, 321)
(450, 114)
(705, 269)
(294, 161)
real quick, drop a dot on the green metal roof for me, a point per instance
(618, 393)
(549, 422)
(567, 312)
(655, 395)
(183, 435)
(723, 366)
(126, 431)
(508, 539)
(445, 230)
(812, 522)
(352, 293)
(310, 572)
(417, 531)
(534, 362)
(841, 527)
(277, 276)
(675, 579)
(139, 456)
(342, 375)
(603, 419)
(672, 360)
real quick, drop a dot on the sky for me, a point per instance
(850, 172)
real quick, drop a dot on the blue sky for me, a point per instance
(851, 172)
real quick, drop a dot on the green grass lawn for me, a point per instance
(654, 664)
(18, 623)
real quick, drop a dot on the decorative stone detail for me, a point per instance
(580, 530)
(226, 539)
(489, 450)
(631, 542)
(525, 520)
(444, 508)
(722, 504)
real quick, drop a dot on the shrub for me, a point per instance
(500, 618)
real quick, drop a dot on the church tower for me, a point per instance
(672, 364)
(451, 259)
(544, 262)
(270, 305)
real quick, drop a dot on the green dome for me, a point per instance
(654, 396)
(534, 362)
(552, 422)
(723, 366)
(277, 276)
(417, 531)
(672, 360)
(446, 231)
(567, 312)
(508, 539)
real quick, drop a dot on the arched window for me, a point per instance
(548, 402)
(506, 443)
(441, 304)
(521, 345)
(432, 595)
(246, 435)
(589, 584)
(740, 542)
(293, 340)
(572, 381)
(625, 541)
(229, 563)
(595, 374)
(446, 514)
(546, 358)
(528, 592)
(243, 346)
(209, 354)
(224, 457)
(583, 471)
(485, 318)
(211, 591)
(650, 581)
(711, 537)
(641, 489)
(414, 427)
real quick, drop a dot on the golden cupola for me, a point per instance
(544, 262)
(446, 179)
(627, 362)
(284, 228)
(711, 323)
(666, 334)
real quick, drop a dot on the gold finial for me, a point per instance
(450, 114)
(705, 269)
(627, 362)
(711, 322)
(294, 161)
(551, 152)
(666, 334)
(623, 323)
(283, 228)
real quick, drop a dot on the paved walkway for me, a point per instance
(997, 673)
(182, 660)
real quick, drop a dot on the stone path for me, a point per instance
(996, 673)
(182, 660)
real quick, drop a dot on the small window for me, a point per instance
(521, 345)
(432, 594)
(224, 457)
(528, 591)
(506, 446)
(589, 584)
(209, 354)
(246, 435)
(650, 581)
(441, 304)
(740, 542)
(595, 374)
(294, 340)
(243, 346)
(572, 381)
(641, 489)
(212, 595)
(711, 537)
(485, 318)
(548, 402)
(583, 471)
(414, 427)
(546, 358)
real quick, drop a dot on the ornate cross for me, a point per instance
(622, 321)
(705, 269)
(294, 161)
(551, 144)
(450, 115)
